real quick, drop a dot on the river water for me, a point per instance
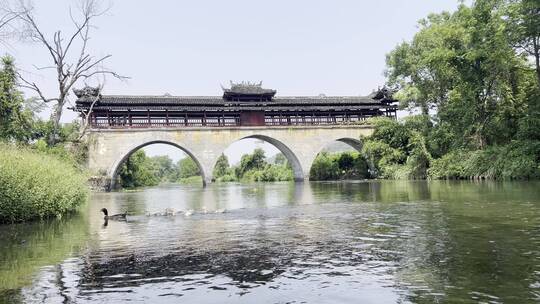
(351, 242)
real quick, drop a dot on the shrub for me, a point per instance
(324, 168)
(270, 173)
(339, 166)
(34, 185)
(227, 177)
(517, 160)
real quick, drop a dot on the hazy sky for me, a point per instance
(299, 47)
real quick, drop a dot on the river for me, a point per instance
(342, 242)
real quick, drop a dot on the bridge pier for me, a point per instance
(109, 148)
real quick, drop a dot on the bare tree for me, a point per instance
(7, 19)
(69, 56)
(86, 115)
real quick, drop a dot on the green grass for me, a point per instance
(35, 185)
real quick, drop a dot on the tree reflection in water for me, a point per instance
(342, 242)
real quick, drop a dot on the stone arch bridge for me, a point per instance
(109, 148)
(204, 126)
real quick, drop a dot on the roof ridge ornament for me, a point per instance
(87, 91)
(384, 94)
(247, 90)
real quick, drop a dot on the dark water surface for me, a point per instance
(363, 242)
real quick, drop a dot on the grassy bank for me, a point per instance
(35, 185)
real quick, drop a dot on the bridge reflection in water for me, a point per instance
(345, 242)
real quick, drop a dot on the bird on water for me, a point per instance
(118, 217)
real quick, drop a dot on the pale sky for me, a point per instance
(298, 47)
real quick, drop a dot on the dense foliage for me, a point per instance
(35, 185)
(16, 121)
(139, 170)
(36, 180)
(253, 167)
(339, 166)
(474, 76)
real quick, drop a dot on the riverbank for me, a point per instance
(35, 185)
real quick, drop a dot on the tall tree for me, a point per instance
(421, 68)
(463, 65)
(524, 29)
(69, 56)
(222, 166)
(137, 171)
(15, 120)
(256, 160)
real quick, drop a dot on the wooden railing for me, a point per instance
(126, 121)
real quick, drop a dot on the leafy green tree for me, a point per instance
(16, 122)
(137, 171)
(391, 132)
(463, 65)
(188, 167)
(339, 166)
(222, 166)
(523, 27)
(254, 161)
(164, 168)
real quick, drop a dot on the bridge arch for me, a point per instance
(114, 170)
(354, 143)
(283, 148)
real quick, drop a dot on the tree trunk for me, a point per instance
(56, 114)
(425, 109)
(536, 42)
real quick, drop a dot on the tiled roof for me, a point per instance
(153, 101)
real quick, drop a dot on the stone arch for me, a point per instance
(283, 148)
(356, 144)
(113, 171)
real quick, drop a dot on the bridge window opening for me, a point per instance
(157, 164)
(340, 160)
(255, 160)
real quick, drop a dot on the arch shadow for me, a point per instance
(287, 152)
(113, 173)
